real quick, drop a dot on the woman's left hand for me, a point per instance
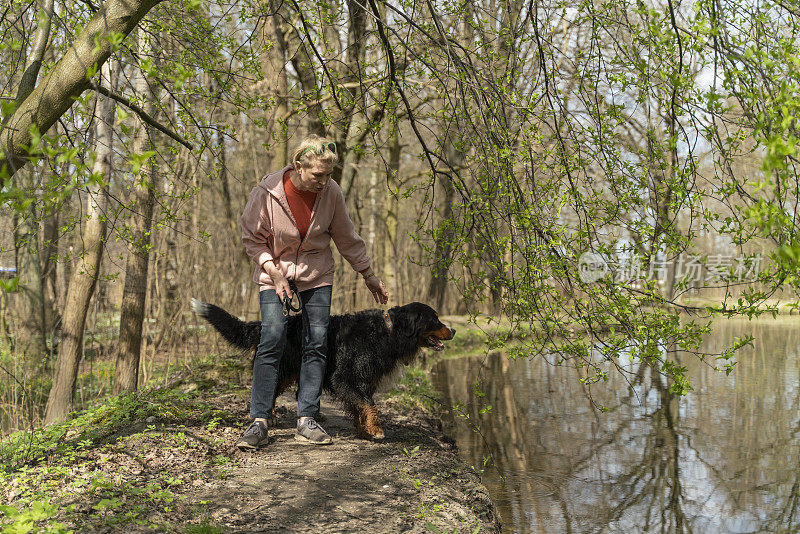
(378, 290)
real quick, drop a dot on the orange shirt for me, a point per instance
(300, 202)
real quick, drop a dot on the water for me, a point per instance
(726, 458)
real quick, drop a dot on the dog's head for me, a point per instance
(421, 322)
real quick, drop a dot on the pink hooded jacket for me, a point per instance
(269, 233)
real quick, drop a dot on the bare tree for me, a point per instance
(135, 291)
(26, 241)
(83, 281)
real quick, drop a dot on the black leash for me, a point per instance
(288, 307)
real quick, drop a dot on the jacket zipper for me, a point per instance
(311, 220)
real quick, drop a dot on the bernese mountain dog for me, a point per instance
(363, 349)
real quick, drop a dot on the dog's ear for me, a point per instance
(408, 324)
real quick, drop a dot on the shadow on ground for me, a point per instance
(352, 485)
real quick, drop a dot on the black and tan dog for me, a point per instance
(362, 350)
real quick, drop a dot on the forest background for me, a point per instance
(486, 147)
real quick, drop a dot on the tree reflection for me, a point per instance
(722, 459)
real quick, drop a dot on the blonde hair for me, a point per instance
(314, 148)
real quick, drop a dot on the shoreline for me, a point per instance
(164, 459)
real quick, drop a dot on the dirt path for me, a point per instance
(164, 460)
(410, 482)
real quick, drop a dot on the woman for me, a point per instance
(287, 226)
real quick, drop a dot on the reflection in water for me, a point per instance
(723, 459)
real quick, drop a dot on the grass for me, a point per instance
(74, 474)
(414, 389)
(71, 472)
(472, 333)
(96, 424)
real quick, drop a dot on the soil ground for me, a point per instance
(169, 464)
(412, 481)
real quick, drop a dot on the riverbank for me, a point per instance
(164, 459)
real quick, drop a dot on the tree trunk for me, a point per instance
(83, 280)
(353, 149)
(304, 65)
(352, 109)
(273, 64)
(26, 241)
(444, 244)
(49, 271)
(40, 39)
(134, 292)
(444, 247)
(391, 273)
(29, 306)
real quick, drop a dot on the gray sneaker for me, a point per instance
(255, 436)
(311, 432)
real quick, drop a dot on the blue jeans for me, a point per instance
(316, 317)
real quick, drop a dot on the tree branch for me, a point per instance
(143, 115)
(57, 91)
(40, 39)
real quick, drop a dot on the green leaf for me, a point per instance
(8, 107)
(137, 160)
(122, 114)
(11, 285)
(115, 38)
(91, 71)
(68, 156)
(9, 511)
(97, 44)
(147, 66)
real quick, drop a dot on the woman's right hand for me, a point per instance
(281, 283)
(282, 288)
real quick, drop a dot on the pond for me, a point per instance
(725, 458)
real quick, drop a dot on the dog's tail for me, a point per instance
(235, 331)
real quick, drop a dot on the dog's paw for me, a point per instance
(278, 413)
(372, 434)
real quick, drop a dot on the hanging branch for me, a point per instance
(143, 115)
